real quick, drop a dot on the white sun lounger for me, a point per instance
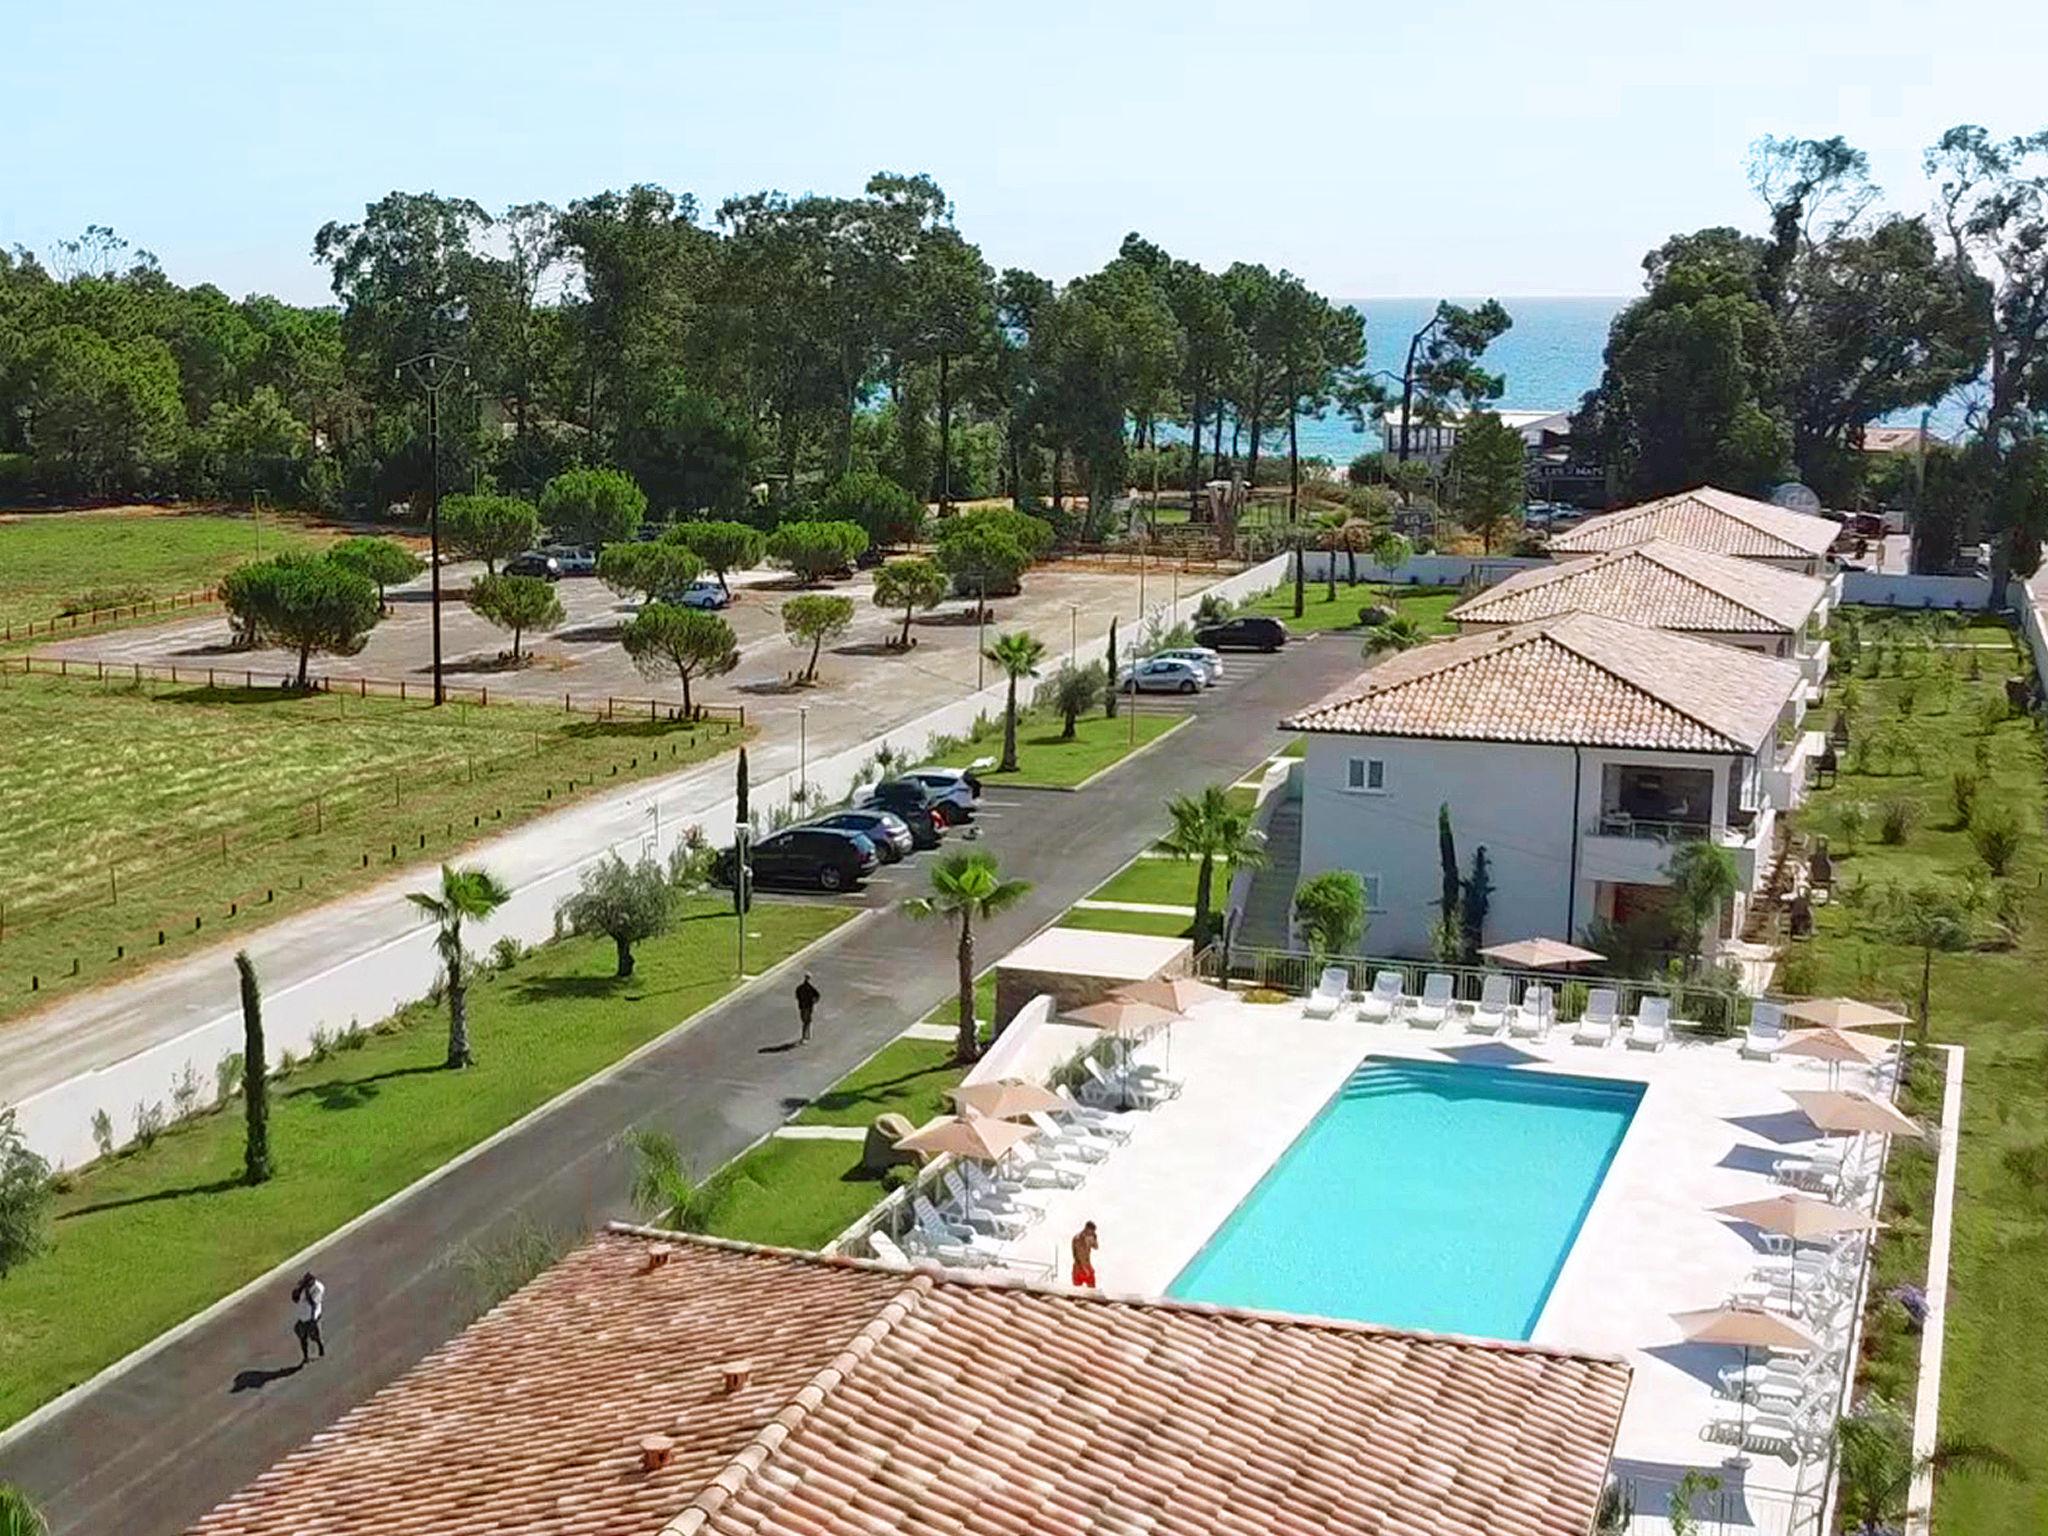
(1328, 996)
(1007, 1193)
(884, 1248)
(1434, 1005)
(1109, 1124)
(1075, 1144)
(1488, 1016)
(1650, 1029)
(1766, 1031)
(944, 1241)
(992, 1211)
(1596, 1024)
(1384, 1000)
(1118, 1092)
(1531, 1018)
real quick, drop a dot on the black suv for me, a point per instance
(826, 858)
(915, 803)
(534, 563)
(1246, 632)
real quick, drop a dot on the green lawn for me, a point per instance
(908, 1077)
(1164, 924)
(1989, 1000)
(1168, 881)
(793, 1194)
(1046, 762)
(1426, 605)
(947, 1010)
(75, 561)
(151, 1236)
(128, 809)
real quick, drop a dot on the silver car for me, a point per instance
(1211, 662)
(1160, 674)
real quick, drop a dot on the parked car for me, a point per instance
(957, 787)
(534, 563)
(1159, 674)
(889, 832)
(703, 593)
(919, 809)
(1244, 632)
(571, 560)
(1209, 661)
(821, 858)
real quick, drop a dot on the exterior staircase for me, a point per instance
(1269, 902)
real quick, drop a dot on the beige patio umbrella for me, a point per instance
(1746, 1329)
(1176, 994)
(1540, 954)
(1844, 1013)
(1835, 1046)
(1122, 1017)
(1008, 1098)
(1845, 1112)
(973, 1136)
(1799, 1216)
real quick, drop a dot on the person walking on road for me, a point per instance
(311, 1294)
(806, 1004)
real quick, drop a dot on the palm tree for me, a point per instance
(19, 1515)
(665, 1186)
(1018, 654)
(966, 886)
(465, 894)
(1875, 1459)
(1399, 633)
(1209, 827)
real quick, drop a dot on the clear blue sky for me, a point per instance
(1452, 147)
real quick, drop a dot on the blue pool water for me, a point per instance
(1424, 1195)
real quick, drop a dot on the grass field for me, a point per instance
(1167, 881)
(1915, 731)
(151, 1236)
(59, 561)
(128, 809)
(793, 1194)
(1426, 605)
(910, 1077)
(1046, 762)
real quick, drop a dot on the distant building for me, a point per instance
(1544, 432)
(1580, 751)
(1717, 521)
(1901, 439)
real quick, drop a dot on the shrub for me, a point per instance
(1895, 818)
(1852, 822)
(185, 1093)
(1998, 835)
(506, 953)
(24, 1197)
(227, 1077)
(149, 1123)
(1963, 786)
(103, 1132)
(1992, 713)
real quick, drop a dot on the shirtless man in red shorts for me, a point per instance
(1085, 1244)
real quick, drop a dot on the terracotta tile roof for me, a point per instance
(932, 1403)
(1578, 680)
(1661, 584)
(1717, 521)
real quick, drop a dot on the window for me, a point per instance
(1372, 892)
(1368, 775)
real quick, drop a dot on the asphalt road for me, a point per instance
(155, 1448)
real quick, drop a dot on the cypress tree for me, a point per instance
(1109, 694)
(255, 1077)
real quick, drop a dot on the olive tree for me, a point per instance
(624, 902)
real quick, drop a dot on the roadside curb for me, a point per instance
(107, 1375)
(1940, 1238)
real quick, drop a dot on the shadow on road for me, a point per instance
(256, 1381)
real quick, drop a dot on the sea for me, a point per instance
(1550, 357)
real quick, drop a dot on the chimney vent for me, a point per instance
(658, 1255)
(737, 1374)
(655, 1451)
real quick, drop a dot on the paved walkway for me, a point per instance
(155, 1448)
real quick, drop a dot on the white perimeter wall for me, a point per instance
(363, 988)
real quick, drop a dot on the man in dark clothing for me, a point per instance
(806, 1002)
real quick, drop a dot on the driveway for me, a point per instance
(159, 1445)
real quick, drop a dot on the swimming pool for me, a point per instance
(1424, 1195)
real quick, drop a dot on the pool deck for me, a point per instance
(1704, 1134)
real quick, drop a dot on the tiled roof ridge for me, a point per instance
(953, 1279)
(1673, 558)
(1579, 620)
(1665, 554)
(748, 1461)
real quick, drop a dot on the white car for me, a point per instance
(1211, 662)
(703, 593)
(1162, 674)
(956, 786)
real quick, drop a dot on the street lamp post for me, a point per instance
(434, 372)
(980, 630)
(1073, 633)
(803, 716)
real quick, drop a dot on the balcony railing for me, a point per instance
(1650, 829)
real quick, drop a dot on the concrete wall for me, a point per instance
(2031, 607)
(366, 987)
(1890, 591)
